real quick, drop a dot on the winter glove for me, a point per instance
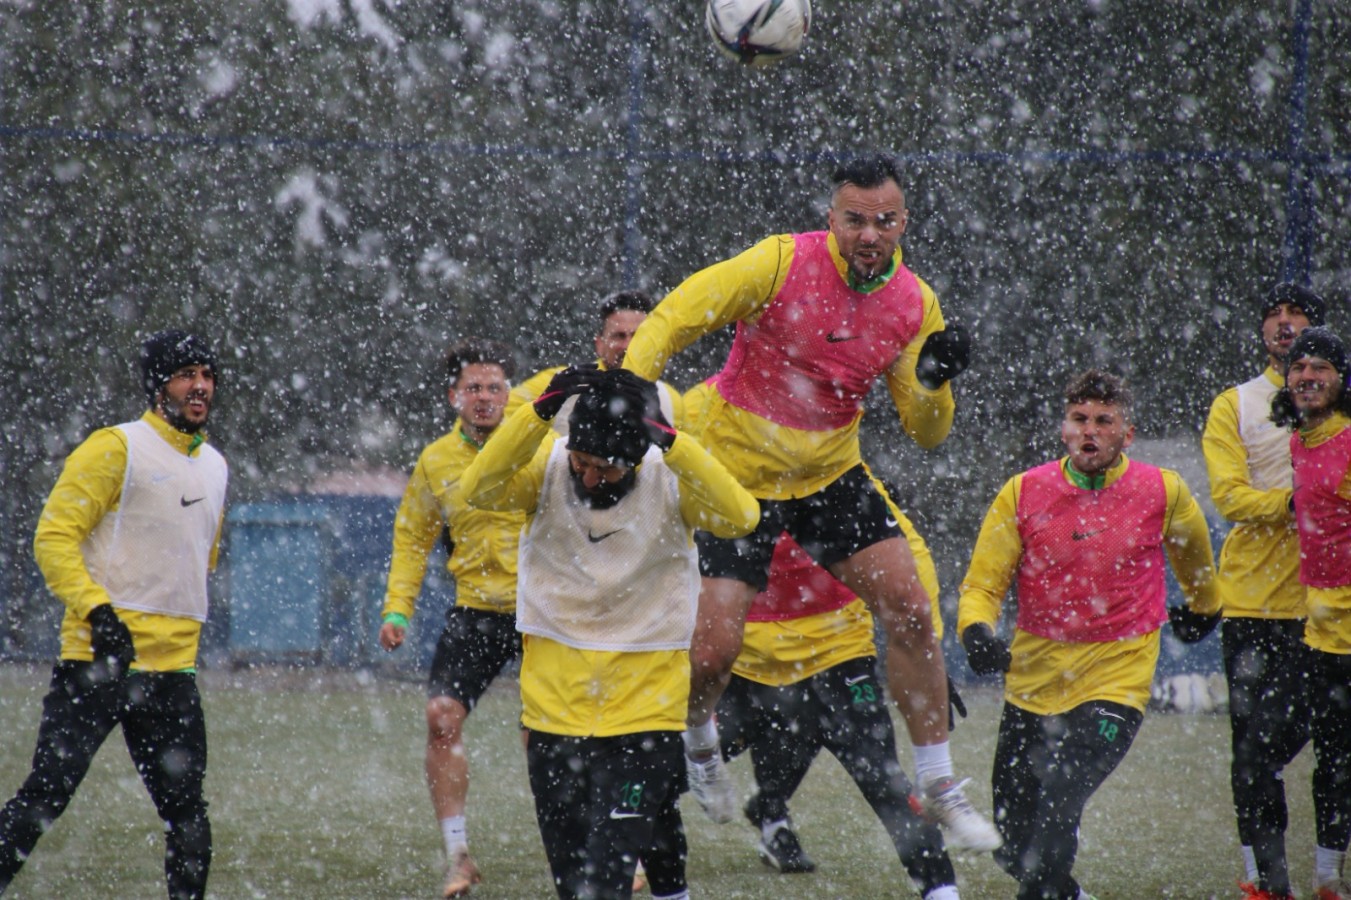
(644, 399)
(987, 654)
(1190, 627)
(110, 639)
(944, 356)
(955, 705)
(567, 383)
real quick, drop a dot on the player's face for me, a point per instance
(598, 481)
(867, 224)
(480, 397)
(614, 338)
(1095, 433)
(1314, 386)
(1280, 328)
(185, 401)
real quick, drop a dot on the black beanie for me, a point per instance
(1296, 295)
(603, 424)
(1324, 344)
(165, 353)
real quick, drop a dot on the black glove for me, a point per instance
(644, 399)
(955, 705)
(110, 639)
(1190, 627)
(944, 356)
(566, 383)
(986, 653)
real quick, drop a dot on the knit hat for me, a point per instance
(1296, 295)
(165, 353)
(1324, 344)
(603, 424)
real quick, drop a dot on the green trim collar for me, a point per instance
(1082, 481)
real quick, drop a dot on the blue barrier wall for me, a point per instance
(303, 582)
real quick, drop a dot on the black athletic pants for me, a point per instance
(1329, 722)
(1045, 769)
(602, 804)
(843, 710)
(165, 732)
(1267, 665)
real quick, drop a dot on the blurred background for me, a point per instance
(334, 190)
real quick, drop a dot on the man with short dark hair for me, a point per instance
(125, 541)
(1265, 659)
(606, 604)
(820, 317)
(479, 637)
(1316, 403)
(1085, 537)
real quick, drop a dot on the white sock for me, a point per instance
(683, 895)
(455, 836)
(1249, 864)
(767, 830)
(932, 761)
(701, 738)
(946, 892)
(1084, 895)
(1327, 865)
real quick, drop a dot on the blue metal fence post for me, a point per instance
(1299, 203)
(633, 163)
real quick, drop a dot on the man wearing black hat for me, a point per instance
(1316, 403)
(606, 597)
(1248, 458)
(125, 541)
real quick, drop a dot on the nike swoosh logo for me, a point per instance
(833, 338)
(597, 538)
(1085, 535)
(616, 814)
(850, 682)
(892, 523)
(1111, 715)
(186, 502)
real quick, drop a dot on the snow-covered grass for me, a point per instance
(316, 789)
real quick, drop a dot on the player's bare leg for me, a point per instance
(884, 575)
(448, 782)
(718, 630)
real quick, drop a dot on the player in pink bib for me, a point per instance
(820, 317)
(1084, 538)
(1316, 402)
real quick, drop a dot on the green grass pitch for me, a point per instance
(316, 790)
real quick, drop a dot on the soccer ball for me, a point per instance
(758, 32)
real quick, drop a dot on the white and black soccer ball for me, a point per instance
(758, 32)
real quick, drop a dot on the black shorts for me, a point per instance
(474, 648)
(833, 524)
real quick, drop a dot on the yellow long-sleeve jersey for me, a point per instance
(602, 693)
(1051, 677)
(90, 488)
(483, 562)
(1329, 624)
(1258, 573)
(773, 461)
